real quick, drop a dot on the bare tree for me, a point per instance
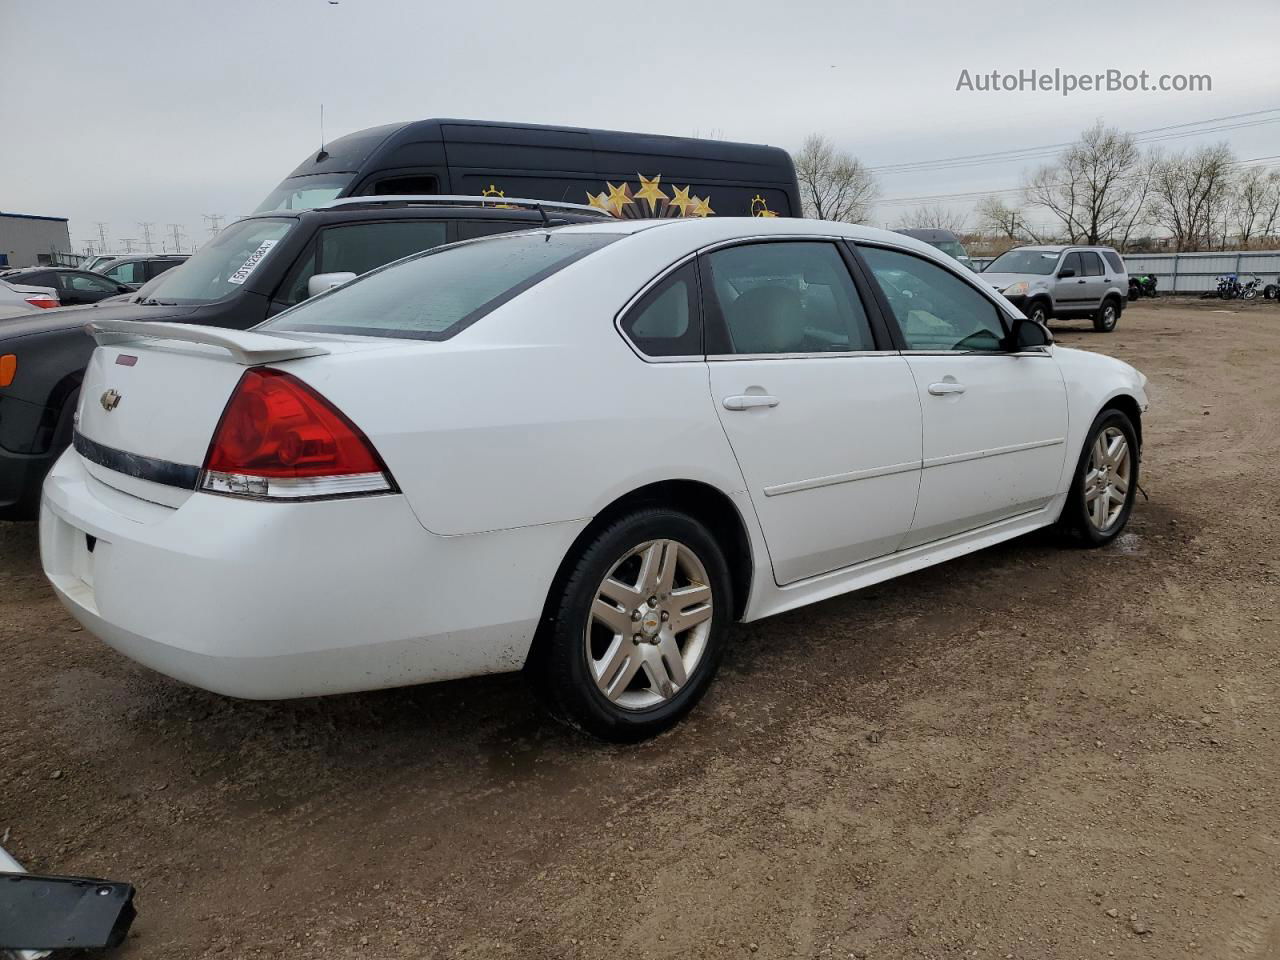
(934, 217)
(1189, 194)
(1269, 218)
(1088, 189)
(1253, 197)
(834, 185)
(995, 217)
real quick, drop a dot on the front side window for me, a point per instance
(221, 266)
(358, 248)
(935, 309)
(787, 297)
(665, 322)
(439, 293)
(1072, 262)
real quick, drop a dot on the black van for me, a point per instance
(625, 174)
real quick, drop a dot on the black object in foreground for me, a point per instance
(52, 913)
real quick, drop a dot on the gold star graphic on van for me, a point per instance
(618, 197)
(600, 201)
(682, 200)
(649, 190)
(702, 207)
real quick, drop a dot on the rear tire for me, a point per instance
(610, 662)
(1104, 321)
(1105, 481)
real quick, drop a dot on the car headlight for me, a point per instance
(1018, 289)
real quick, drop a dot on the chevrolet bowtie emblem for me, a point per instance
(109, 400)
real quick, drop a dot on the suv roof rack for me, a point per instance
(451, 200)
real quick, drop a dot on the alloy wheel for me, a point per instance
(649, 624)
(1107, 478)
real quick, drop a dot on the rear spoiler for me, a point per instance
(245, 348)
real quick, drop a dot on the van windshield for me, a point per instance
(1039, 262)
(222, 265)
(306, 192)
(436, 294)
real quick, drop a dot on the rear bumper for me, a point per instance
(278, 600)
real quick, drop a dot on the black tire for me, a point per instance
(1135, 290)
(1270, 291)
(1104, 321)
(1038, 312)
(560, 666)
(1075, 520)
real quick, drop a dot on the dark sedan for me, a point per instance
(73, 286)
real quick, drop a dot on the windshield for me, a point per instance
(1039, 262)
(305, 193)
(222, 265)
(434, 295)
(953, 248)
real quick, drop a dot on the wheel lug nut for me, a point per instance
(653, 601)
(665, 615)
(637, 638)
(635, 614)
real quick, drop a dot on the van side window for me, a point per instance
(666, 321)
(406, 186)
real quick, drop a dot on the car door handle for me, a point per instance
(748, 401)
(1079, 281)
(946, 387)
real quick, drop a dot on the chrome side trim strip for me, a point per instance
(992, 452)
(796, 486)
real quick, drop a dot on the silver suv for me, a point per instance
(1063, 281)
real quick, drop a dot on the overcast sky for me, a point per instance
(163, 111)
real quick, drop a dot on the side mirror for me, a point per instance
(1066, 272)
(327, 281)
(1027, 334)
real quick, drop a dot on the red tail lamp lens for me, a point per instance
(43, 300)
(275, 426)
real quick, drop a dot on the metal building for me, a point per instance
(27, 240)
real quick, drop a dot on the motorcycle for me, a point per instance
(1228, 286)
(1142, 285)
(1249, 290)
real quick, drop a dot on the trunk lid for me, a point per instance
(153, 394)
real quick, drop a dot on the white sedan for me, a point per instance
(584, 452)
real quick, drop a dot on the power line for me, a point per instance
(146, 236)
(177, 236)
(977, 194)
(1019, 152)
(213, 221)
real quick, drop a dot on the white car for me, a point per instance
(17, 300)
(584, 452)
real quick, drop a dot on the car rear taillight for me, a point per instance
(279, 439)
(43, 300)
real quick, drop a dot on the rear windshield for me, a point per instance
(434, 295)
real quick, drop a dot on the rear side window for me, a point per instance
(666, 321)
(131, 272)
(783, 298)
(1092, 265)
(438, 294)
(1114, 260)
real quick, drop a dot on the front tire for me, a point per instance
(1038, 312)
(636, 630)
(1105, 482)
(1104, 321)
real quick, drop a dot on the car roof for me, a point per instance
(704, 230)
(1060, 247)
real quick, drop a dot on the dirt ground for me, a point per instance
(1034, 752)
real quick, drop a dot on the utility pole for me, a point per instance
(102, 236)
(177, 236)
(146, 236)
(214, 222)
